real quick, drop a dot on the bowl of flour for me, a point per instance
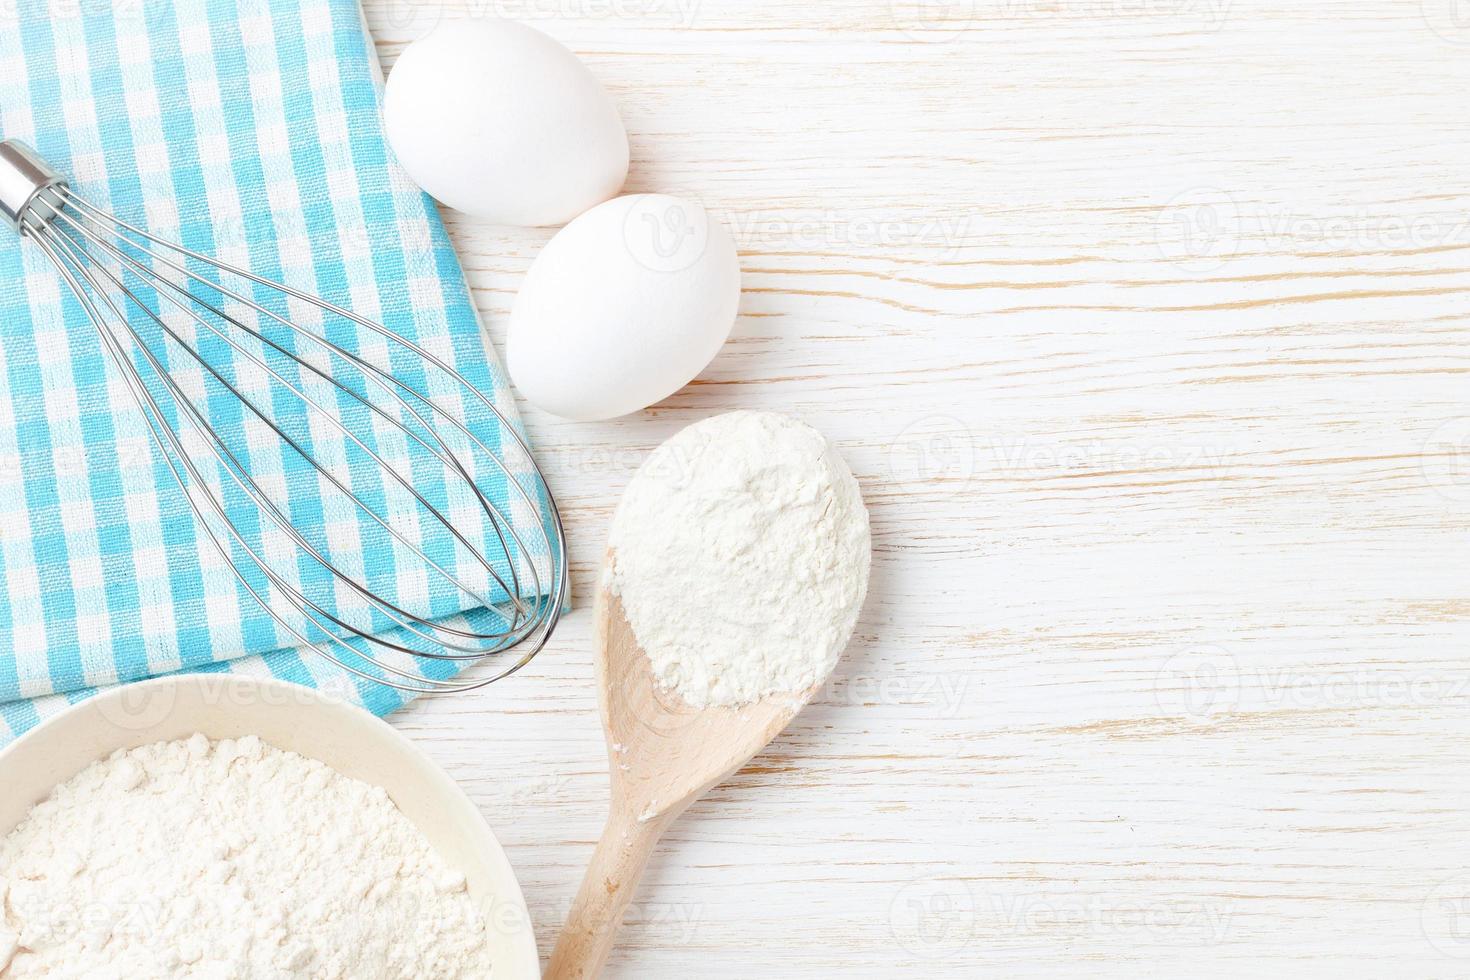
(214, 826)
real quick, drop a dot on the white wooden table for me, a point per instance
(1144, 325)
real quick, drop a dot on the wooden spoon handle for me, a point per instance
(617, 864)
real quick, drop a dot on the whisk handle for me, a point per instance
(29, 187)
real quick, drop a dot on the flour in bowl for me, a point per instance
(229, 859)
(740, 555)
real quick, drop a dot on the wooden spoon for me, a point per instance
(663, 756)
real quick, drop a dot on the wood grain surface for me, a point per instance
(1143, 324)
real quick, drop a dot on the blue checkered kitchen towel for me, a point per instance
(246, 129)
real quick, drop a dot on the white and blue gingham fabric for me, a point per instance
(246, 129)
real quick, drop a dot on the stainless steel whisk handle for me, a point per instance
(29, 186)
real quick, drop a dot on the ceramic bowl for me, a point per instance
(300, 720)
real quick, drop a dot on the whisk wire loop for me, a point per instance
(380, 377)
(72, 269)
(241, 477)
(254, 489)
(111, 266)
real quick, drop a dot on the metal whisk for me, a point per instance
(203, 351)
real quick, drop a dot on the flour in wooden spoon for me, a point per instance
(740, 553)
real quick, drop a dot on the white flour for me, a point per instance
(228, 860)
(741, 552)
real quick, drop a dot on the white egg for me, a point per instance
(623, 307)
(498, 120)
